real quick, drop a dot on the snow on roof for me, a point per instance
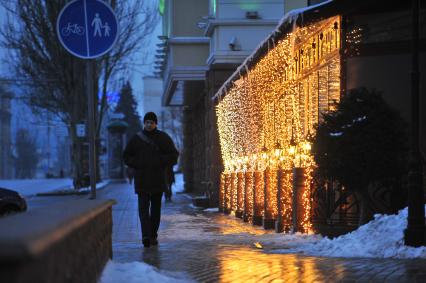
(294, 14)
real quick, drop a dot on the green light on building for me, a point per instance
(161, 6)
(247, 6)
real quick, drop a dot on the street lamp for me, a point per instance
(414, 235)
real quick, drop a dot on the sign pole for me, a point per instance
(88, 29)
(91, 126)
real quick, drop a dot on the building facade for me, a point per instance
(151, 95)
(199, 51)
(268, 108)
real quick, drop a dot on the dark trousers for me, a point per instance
(149, 213)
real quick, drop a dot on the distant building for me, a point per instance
(169, 118)
(151, 95)
(267, 111)
(203, 43)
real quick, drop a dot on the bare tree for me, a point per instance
(27, 157)
(57, 78)
(137, 20)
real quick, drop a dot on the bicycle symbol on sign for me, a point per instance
(72, 28)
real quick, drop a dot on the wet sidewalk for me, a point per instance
(211, 247)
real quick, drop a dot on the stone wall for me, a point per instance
(69, 242)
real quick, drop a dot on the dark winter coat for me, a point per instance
(150, 161)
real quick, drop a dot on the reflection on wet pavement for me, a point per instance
(212, 247)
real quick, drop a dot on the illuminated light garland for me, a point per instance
(258, 193)
(266, 118)
(240, 193)
(233, 192)
(307, 201)
(222, 191)
(288, 209)
(227, 193)
(270, 198)
(286, 195)
(249, 187)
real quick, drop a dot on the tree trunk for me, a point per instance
(76, 157)
(366, 213)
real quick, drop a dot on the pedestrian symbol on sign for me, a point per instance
(107, 29)
(97, 22)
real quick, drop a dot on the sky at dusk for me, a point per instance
(140, 70)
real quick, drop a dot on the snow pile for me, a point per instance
(30, 187)
(213, 209)
(382, 237)
(138, 272)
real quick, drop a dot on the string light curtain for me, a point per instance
(266, 119)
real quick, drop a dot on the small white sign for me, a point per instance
(81, 130)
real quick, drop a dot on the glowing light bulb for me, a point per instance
(292, 150)
(307, 146)
(277, 152)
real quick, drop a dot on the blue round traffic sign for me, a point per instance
(87, 28)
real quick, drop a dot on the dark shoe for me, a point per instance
(154, 241)
(146, 243)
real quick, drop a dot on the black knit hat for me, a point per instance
(150, 116)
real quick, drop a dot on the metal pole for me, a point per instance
(91, 124)
(415, 232)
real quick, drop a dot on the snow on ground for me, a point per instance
(29, 187)
(214, 209)
(138, 272)
(382, 237)
(99, 185)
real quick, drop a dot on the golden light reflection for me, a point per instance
(252, 265)
(265, 120)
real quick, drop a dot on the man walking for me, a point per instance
(150, 153)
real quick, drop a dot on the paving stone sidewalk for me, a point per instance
(211, 247)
